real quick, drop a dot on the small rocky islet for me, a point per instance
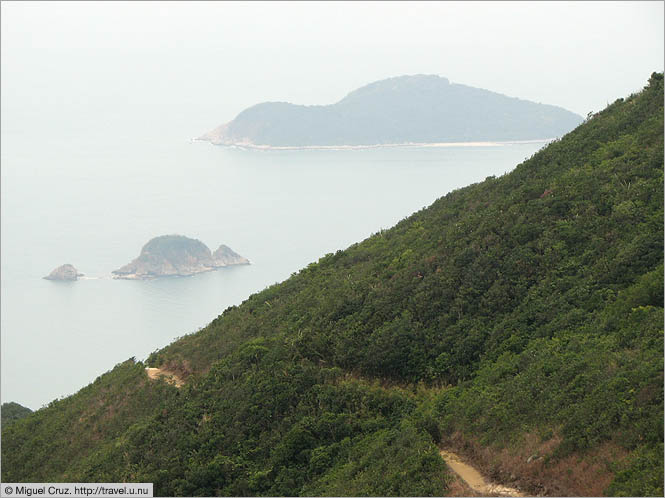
(177, 255)
(64, 273)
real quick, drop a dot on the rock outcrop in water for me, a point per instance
(225, 256)
(402, 110)
(176, 255)
(65, 272)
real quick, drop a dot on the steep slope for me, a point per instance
(518, 320)
(406, 109)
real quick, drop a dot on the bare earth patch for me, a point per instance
(529, 465)
(170, 377)
(474, 479)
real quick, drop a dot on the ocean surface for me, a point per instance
(93, 166)
(282, 210)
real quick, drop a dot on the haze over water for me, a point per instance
(99, 103)
(93, 198)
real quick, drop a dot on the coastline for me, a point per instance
(153, 276)
(251, 146)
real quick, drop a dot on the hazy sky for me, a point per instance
(99, 101)
(577, 55)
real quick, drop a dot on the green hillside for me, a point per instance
(11, 412)
(517, 319)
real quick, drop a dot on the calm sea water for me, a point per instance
(95, 164)
(282, 210)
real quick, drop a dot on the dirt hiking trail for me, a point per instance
(170, 377)
(466, 472)
(474, 479)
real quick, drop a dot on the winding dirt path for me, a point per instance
(466, 472)
(170, 377)
(474, 479)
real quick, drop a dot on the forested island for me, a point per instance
(403, 110)
(177, 255)
(517, 321)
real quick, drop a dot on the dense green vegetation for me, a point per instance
(526, 304)
(419, 108)
(13, 411)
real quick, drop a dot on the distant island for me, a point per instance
(64, 273)
(420, 109)
(176, 255)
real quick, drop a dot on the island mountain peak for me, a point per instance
(398, 84)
